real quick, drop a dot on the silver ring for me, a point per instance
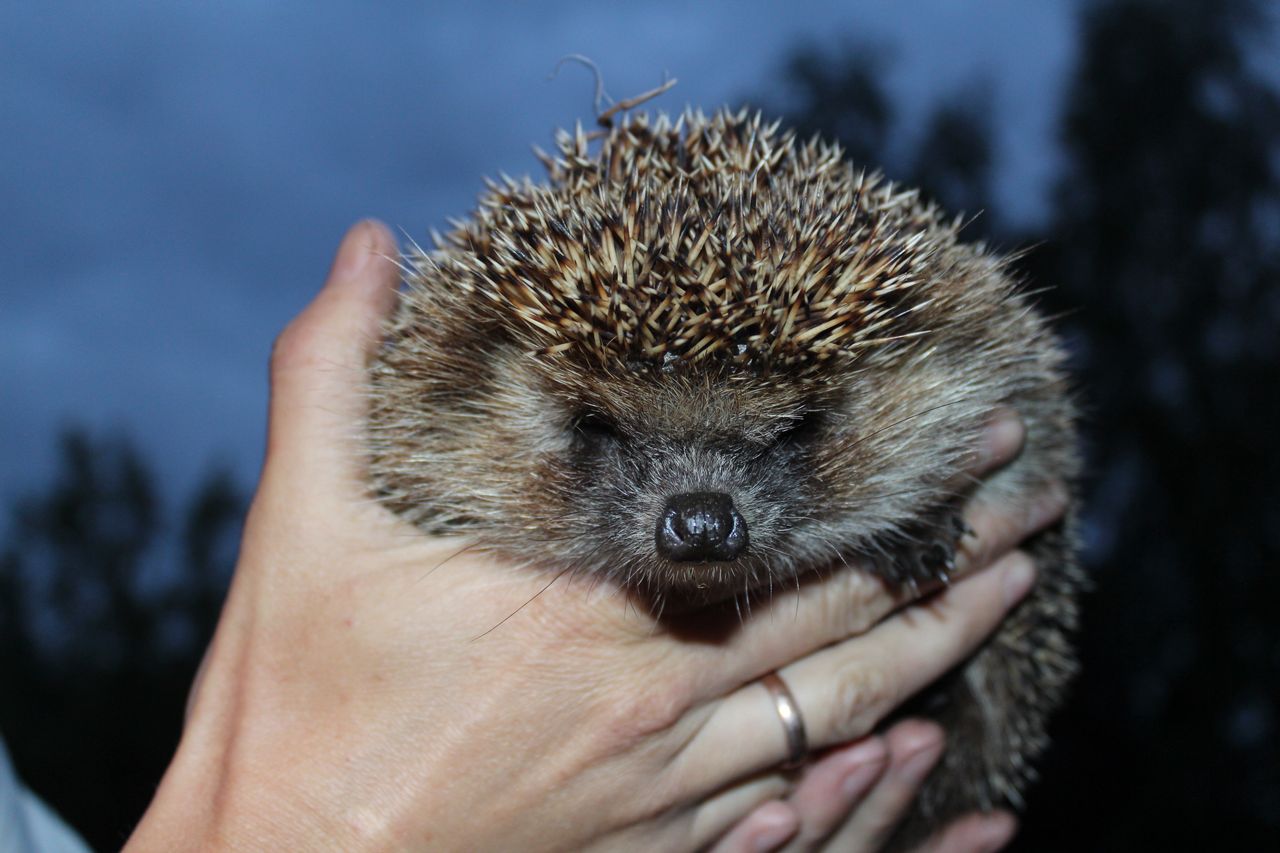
(792, 723)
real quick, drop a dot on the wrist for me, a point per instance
(235, 785)
(206, 802)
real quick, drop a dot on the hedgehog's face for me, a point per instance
(692, 480)
(810, 413)
(705, 480)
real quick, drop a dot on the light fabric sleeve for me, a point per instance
(27, 825)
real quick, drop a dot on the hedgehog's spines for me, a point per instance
(821, 266)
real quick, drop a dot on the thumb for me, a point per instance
(318, 366)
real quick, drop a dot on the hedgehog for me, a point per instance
(705, 357)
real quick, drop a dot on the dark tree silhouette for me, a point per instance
(840, 95)
(952, 163)
(211, 541)
(1164, 258)
(82, 545)
(1167, 240)
(101, 630)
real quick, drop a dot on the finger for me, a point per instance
(845, 690)
(724, 812)
(766, 828)
(842, 691)
(319, 361)
(976, 833)
(914, 748)
(997, 529)
(819, 610)
(832, 787)
(1001, 441)
(823, 610)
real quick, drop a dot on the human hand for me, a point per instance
(853, 797)
(373, 688)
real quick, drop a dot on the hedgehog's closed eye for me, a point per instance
(594, 431)
(800, 430)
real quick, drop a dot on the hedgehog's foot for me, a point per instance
(925, 553)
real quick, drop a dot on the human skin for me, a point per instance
(372, 688)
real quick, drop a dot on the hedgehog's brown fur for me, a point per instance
(708, 304)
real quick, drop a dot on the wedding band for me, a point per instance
(792, 723)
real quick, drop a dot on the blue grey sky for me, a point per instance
(174, 177)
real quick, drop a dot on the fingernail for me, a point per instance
(355, 252)
(917, 766)
(996, 832)
(1048, 506)
(1003, 435)
(864, 765)
(774, 834)
(1018, 578)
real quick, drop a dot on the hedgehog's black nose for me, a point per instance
(700, 526)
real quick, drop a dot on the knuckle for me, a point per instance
(854, 602)
(995, 531)
(284, 348)
(642, 711)
(861, 692)
(295, 347)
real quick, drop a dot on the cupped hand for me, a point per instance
(372, 688)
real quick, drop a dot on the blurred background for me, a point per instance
(175, 178)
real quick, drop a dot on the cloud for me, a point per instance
(176, 176)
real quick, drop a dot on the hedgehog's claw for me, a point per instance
(926, 554)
